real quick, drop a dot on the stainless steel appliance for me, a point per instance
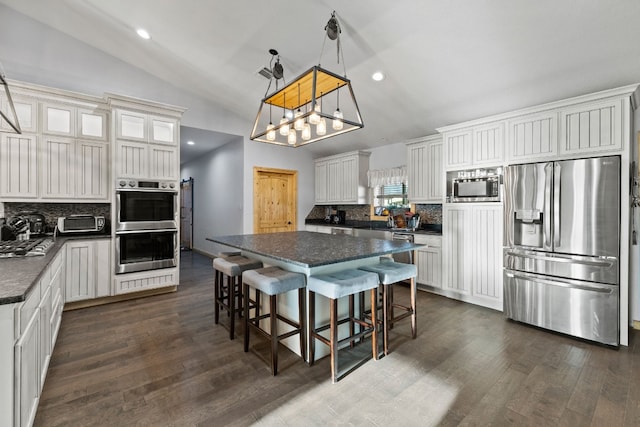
(146, 205)
(562, 246)
(478, 185)
(81, 224)
(24, 248)
(146, 250)
(405, 257)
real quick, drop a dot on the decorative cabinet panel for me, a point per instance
(144, 280)
(592, 127)
(58, 119)
(458, 149)
(488, 144)
(342, 179)
(18, 166)
(44, 311)
(92, 124)
(27, 112)
(58, 164)
(163, 130)
(533, 137)
(163, 162)
(424, 160)
(27, 374)
(92, 170)
(88, 272)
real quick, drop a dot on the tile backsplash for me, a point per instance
(52, 211)
(429, 214)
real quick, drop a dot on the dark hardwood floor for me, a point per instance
(161, 361)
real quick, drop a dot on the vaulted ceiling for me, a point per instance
(444, 61)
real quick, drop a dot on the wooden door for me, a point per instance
(275, 195)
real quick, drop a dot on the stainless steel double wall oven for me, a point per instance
(562, 246)
(146, 226)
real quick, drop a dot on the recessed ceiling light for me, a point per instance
(143, 33)
(377, 76)
(190, 143)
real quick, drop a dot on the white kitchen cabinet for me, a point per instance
(92, 170)
(92, 124)
(58, 119)
(88, 272)
(472, 253)
(533, 137)
(132, 159)
(44, 353)
(458, 149)
(27, 373)
(457, 247)
(321, 182)
(488, 144)
(429, 261)
(27, 112)
(342, 178)
(163, 162)
(424, 168)
(18, 166)
(58, 164)
(137, 126)
(593, 127)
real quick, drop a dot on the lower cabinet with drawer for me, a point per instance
(429, 262)
(28, 332)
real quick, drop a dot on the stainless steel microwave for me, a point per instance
(475, 189)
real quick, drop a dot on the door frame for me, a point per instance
(293, 173)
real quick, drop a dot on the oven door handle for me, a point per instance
(162, 230)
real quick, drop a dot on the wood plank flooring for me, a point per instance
(161, 361)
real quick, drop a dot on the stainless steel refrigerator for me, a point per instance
(562, 246)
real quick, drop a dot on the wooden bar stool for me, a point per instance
(229, 295)
(334, 286)
(217, 275)
(390, 272)
(273, 281)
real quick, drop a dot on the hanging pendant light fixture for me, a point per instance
(10, 116)
(313, 86)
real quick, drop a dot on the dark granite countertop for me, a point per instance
(309, 249)
(428, 229)
(19, 274)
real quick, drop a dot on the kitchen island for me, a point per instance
(312, 253)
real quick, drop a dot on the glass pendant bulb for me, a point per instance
(314, 118)
(321, 127)
(299, 123)
(284, 130)
(306, 132)
(291, 139)
(271, 133)
(337, 120)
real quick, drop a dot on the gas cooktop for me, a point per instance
(22, 248)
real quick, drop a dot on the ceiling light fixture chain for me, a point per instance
(332, 32)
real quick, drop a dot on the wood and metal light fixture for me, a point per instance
(310, 100)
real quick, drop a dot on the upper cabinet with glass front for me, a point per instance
(72, 121)
(135, 126)
(27, 112)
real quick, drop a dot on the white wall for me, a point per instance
(634, 253)
(217, 194)
(272, 156)
(388, 156)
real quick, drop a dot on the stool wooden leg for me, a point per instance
(273, 317)
(333, 321)
(413, 308)
(301, 311)
(374, 319)
(390, 299)
(385, 318)
(232, 305)
(352, 328)
(216, 295)
(312, 327)
(246, 317)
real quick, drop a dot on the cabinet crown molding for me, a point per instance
(143, 106)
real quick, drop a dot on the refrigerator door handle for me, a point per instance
(606, 263)
(548, 170)
(559, 282)
(557, 195)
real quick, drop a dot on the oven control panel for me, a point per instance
(153, 185)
